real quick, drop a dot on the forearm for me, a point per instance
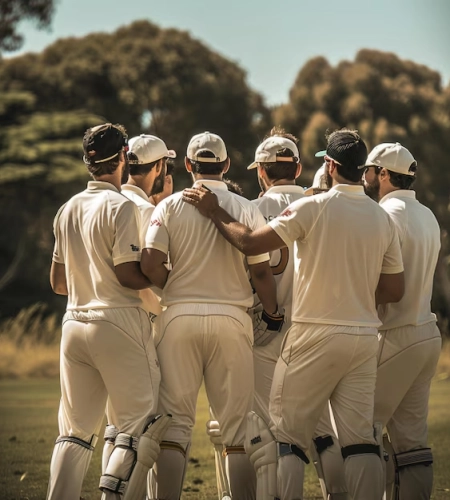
(158, 275)
(130, 276)
(264, 285)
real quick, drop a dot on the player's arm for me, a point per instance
(130, 276)
(58, 280)
(264, 285)
(242, 237)
(154, 266)
(391, 288)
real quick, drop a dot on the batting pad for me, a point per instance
(261, 448)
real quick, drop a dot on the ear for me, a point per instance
(159, 166)
(299, 170)
(187, 164)
(384, 174)
(227, 166)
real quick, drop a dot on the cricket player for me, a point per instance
(277, 162)
(410, 340)
(147, 157)
(107, 349)
(347, 259)
(205, 333)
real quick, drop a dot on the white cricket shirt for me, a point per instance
(94, 231)
(141, 200)
(420, 242)
(271, 204)
(205, 267)
(343, 242)
(150, 296)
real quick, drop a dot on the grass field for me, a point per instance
(28, 416)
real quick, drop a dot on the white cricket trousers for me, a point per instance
(407, 361)
(212, 343)
(331, 468)
(105, 353)
(337, 363)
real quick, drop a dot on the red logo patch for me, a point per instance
(286, 212)
(155, 222)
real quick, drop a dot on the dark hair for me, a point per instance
(140, 169)
(207, 168)
(349, 173)
(279, 131)
(105, 168)
(281, 169)
(170, 166)
(233, 187)
(401, 181)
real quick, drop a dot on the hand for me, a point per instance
(203, 199)
(266, 326)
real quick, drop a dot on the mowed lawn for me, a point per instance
(28, 417)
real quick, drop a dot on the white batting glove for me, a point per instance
(266, 326)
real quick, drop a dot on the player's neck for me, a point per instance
(199, 177)
(141, 182)
(281, 182)
(113, 179)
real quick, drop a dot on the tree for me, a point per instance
(388, 100)
(12, 12)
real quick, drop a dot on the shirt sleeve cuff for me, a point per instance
(392, 270)
(132, 257)
(281, 232)
(157, 246)
(257, 259)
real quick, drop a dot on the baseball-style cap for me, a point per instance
(267, 151)
(207, 142)
(146, 149)
(394, 157)
(319, 182)
(103, 143)
(346, 149)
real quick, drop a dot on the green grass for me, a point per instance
(28, 417)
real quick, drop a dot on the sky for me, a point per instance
(272, 40)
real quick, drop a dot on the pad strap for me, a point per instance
(111, 432)
(231, 450)
(288, 449)
(172, 445)
(423, 456)
(90, 445)
(322, 443)
(359, 449)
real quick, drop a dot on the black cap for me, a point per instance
(103, 143)
(346, 148)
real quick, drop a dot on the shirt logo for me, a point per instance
(134, 248)
(286, 213)
(155, 222)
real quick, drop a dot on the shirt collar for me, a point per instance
(101, 186)
(350, 189)
(399, 193)
(286, 188)
(216, 185)
(135, 189)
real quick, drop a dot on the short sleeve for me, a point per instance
(127, 246)
(58, 251)
(392, 260)
(257, 221)
(294, 222)
(157, 234)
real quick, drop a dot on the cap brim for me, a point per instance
(321, 154)
(171, 153)
(252, 165)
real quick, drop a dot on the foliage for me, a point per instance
(12, 12)
(388, 100)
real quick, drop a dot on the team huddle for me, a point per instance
(305, 313)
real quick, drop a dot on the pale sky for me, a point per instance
(272, 41)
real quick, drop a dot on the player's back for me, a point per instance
(419, 236)
(343, 241)
(205, 267)
(95, 231)
(271, 204)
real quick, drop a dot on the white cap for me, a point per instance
(393, 157)
(268, 149)
(319, 181)
(147, 149)
(207, 142)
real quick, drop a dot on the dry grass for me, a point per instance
(29, 344)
